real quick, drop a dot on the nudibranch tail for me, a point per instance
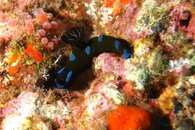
(81, 58)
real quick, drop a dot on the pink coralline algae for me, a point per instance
(23, 105)
(108, 63)
(125, 70)
(3, 17)
(10, 26)
(29, 26)
(183, 19)
(101, 97)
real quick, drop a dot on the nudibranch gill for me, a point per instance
(82, 54)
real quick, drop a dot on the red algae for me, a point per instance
(125, 1)
(13, 69)
(110, 3)
(129, 118)
(41, 16)
(37, 56)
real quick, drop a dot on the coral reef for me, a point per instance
(155, 87)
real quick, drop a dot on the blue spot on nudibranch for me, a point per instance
(100, 38)
(69, 75)
(72, 57)
(58, 85)
(87, 50)
(60, 71)
(117, 44)
(126, 54)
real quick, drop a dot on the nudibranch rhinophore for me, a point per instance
(83, 54)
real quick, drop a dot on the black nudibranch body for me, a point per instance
(83, 54)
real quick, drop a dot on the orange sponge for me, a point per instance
(36, 55)
(125, 1)
(129, 118)
(109, 3)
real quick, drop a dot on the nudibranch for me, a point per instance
(83, 53)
